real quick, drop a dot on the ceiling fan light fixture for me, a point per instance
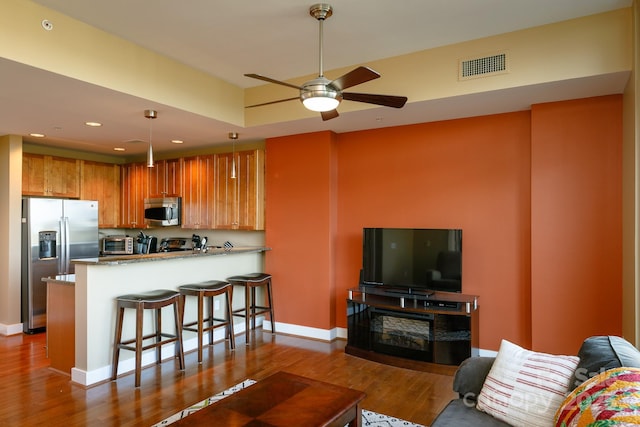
(317, 95)
(321, 103)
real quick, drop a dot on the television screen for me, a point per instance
(413, 259)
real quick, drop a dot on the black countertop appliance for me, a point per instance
(146, 244)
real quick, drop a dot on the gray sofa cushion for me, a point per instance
(599, 353)
(461, 412)
(470, 376)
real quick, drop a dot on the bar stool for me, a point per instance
(251, 309)
(152, 300)
(208, 290)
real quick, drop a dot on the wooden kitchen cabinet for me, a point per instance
(101, 182)
(50, 176)
(61, 325)
(239, 201)
(134, 184)
(165, 178)
(197, 192)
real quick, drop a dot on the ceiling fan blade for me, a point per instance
(270, 80)
(354, 77)
(386, 100)
(272, 102)
(328, 115)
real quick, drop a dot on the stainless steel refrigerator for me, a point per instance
(54, 231)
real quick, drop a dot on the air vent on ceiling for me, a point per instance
(485, 66)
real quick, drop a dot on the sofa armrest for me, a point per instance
(470, 376)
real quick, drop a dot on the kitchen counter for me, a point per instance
(161, 256)
(62, 279)
(99, 281)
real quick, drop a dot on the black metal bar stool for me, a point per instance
(152, 300)
(208, 290)
(251, 309)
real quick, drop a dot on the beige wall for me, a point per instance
(88, 54)
(10, 212)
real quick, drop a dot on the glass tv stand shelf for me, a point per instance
(411, 328)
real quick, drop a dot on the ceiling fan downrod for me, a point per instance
(321, 11)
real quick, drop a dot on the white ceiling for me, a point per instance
(276, 38)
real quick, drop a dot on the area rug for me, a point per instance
(369, 418)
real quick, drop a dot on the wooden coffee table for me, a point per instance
(283, 399)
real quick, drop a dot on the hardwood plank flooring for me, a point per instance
(34, 394)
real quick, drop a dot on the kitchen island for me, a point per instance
(98, 281)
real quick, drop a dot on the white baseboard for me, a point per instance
(13, 329)
(191, 343)
(487, 353)
(306, 331)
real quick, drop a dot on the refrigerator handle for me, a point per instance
(61, 245)
(67, 240)
(64, 245)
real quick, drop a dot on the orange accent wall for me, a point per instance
(576, 221)
(300, 217)
(474, 173)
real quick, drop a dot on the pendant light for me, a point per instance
(233, 136)
(150, 114)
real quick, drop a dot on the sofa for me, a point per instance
(597, 357)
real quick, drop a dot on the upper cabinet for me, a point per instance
(165, 178)
(239, 200)
(101, 182)
(134, 183)
(50, 176)
(211, 197)
(197, 192)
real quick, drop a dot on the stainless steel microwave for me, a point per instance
(162, 211)
(117, 245)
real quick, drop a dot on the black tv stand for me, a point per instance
(407, 292)
(404, 328)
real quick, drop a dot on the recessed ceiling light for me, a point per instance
(177, 141)
(118, 149)
(37, 135)
(93, 124)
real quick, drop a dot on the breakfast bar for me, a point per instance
(98, 281)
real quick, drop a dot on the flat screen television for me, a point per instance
(412, 259)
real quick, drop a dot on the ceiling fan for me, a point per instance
(324, 95)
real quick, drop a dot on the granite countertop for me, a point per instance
(64, 279)
(162, 256)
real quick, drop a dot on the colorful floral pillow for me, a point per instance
(525, 388)
(611, 398)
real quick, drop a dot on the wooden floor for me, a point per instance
(33, 394)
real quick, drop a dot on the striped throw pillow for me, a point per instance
(525, 388)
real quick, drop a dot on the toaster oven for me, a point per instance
(117, 245)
